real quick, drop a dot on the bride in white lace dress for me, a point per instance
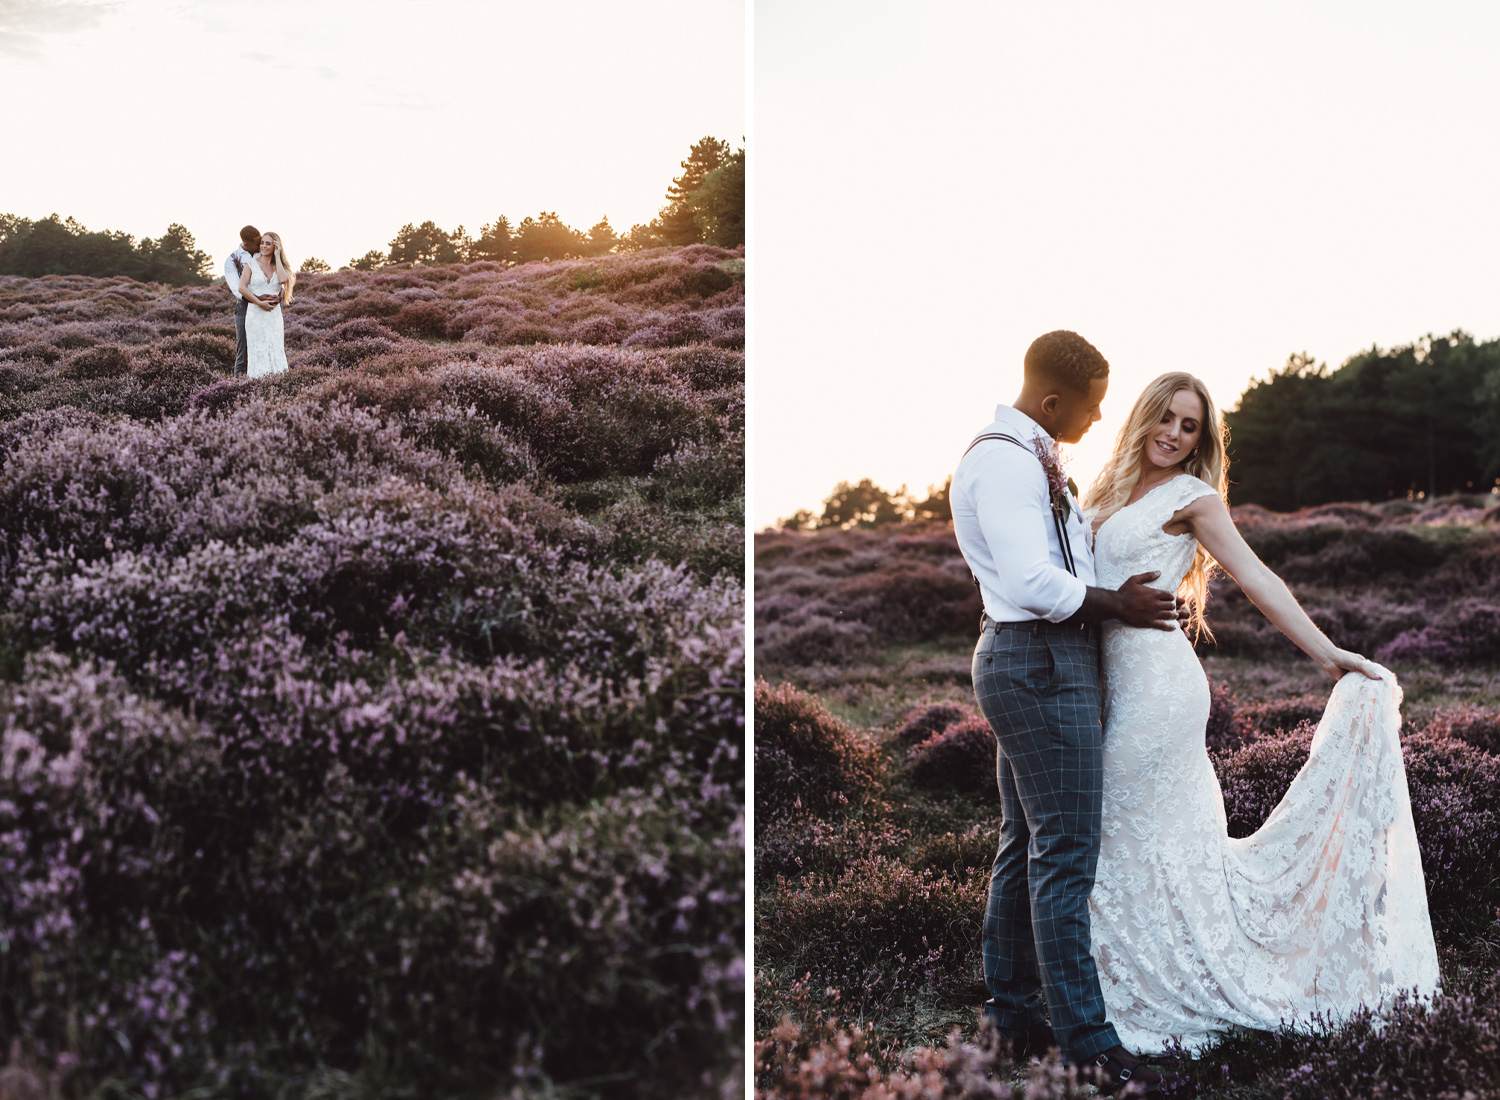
(1324, 908)
(266, 282)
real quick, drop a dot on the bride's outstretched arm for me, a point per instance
(1212, 526)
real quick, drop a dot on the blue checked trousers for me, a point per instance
(1038, 687)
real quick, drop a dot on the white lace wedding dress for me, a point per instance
(265, 336)
(1322, 909)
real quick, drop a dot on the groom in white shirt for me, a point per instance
(234, 264)
(1036, 678)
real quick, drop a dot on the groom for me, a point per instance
(1036, 678)
(233, 266)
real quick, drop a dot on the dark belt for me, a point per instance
(1035, 627)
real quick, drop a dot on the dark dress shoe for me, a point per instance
(1121, 1069)
(1028, 1042)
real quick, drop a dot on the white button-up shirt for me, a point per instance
(231, 276)
(1002, 516)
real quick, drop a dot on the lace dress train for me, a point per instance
(1324, 908)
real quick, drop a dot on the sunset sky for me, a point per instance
(1201, 187)
(337, 121)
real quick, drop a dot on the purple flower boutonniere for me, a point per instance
(1059, 485)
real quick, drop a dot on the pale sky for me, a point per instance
(335, 122)
(1201, 187)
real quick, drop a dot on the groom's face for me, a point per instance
(1076, 412)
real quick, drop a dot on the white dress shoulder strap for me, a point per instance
(1187, 488)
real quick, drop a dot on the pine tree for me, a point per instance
(678, 225)
(602, 238)
(496, 242)
(718, 205)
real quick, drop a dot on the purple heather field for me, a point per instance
(876, 816)
(374, 729)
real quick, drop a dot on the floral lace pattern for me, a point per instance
(1322, 909)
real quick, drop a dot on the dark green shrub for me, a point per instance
(961, 757)
(805, 756)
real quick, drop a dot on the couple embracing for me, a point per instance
(1116, 891)
(261, 280)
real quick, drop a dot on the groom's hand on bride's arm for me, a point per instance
(1134, 603)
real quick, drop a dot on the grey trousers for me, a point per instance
(241, 352)
(1038, 687)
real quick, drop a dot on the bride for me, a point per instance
(1322, 909)
(266, 283)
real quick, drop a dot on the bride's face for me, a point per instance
(268, 247)
(1176, 437)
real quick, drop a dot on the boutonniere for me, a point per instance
(1059, 485)
(239, 267)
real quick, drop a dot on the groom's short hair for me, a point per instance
(1065, 358)
(249, 235)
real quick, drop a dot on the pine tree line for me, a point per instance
(58, 246)
(705, 205)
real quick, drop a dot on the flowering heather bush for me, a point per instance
(1225, 729)
(208, 343)
(801, 843)
(421, 319)
(902, 585)
(1416, 1049)
(474, 441)
(703, 474)
(959, 854)
(930, 719)
(1479, 726)
(817, 640)
(1467, 632)
(962, 756)
(805, 758)
(1275, 716)
(880, 933)
(321, 686)
(1453, 803)
(809, 1056)
(707, 369)
(1253, 778)
(100, 361)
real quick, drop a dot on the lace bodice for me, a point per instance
(262, 286)
(1132, 540)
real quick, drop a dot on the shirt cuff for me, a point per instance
(1074, 590)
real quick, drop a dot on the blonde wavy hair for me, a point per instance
(283, 265)
(1208, 462)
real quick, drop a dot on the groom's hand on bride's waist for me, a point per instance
(1134, 603)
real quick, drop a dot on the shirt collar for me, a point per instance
(1020, 420)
